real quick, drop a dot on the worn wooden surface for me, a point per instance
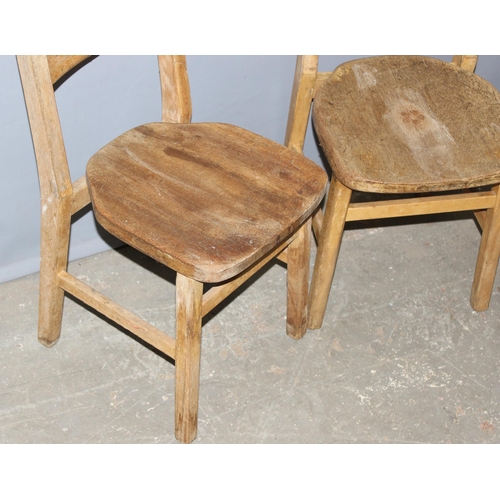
(60, 65)
(487, 260)
(187, 355)
(175, 93)
(207, 200)
(435, 204)
(212, 201)
(56, 192)
(304, 82)
(409, 124)
(465, 62)
(329, 240)
(298, 281)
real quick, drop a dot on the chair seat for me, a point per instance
(206, 199)
(396, 124)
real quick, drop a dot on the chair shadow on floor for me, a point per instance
(168, 276)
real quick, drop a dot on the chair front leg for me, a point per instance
(487, 261)
(337, 204)
(298, 255)
(189, 297)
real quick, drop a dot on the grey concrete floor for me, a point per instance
(401, 358)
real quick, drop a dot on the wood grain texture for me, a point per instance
(487, 261)
(54, 245)
(465, 62)
(175, 93)
(409, 124)
(330, 238)
(421, 206)
(217, 293)
(60, 65)
(207, 200)
(56, 192)
(298, 282)
(52, 163)
(81, 195)
(303, 89)
(189, 294)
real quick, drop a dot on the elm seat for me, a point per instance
(207, 200)
(401, 125)
(409, 124)
(214, 202)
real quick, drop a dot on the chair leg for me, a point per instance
(298, 280)
(339, 197)
(189, 297)
(317, 222)
(487, 261)
(55, 231)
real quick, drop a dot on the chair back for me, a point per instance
(40, 76)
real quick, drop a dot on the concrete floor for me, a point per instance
(401, 358)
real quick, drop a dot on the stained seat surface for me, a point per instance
(408, 124)
(205, 199)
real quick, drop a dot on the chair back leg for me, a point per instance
(55, 231)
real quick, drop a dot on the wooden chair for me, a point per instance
(212, 201)
(400, 125)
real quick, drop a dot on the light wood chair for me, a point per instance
(212, 201)
(400, 125)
